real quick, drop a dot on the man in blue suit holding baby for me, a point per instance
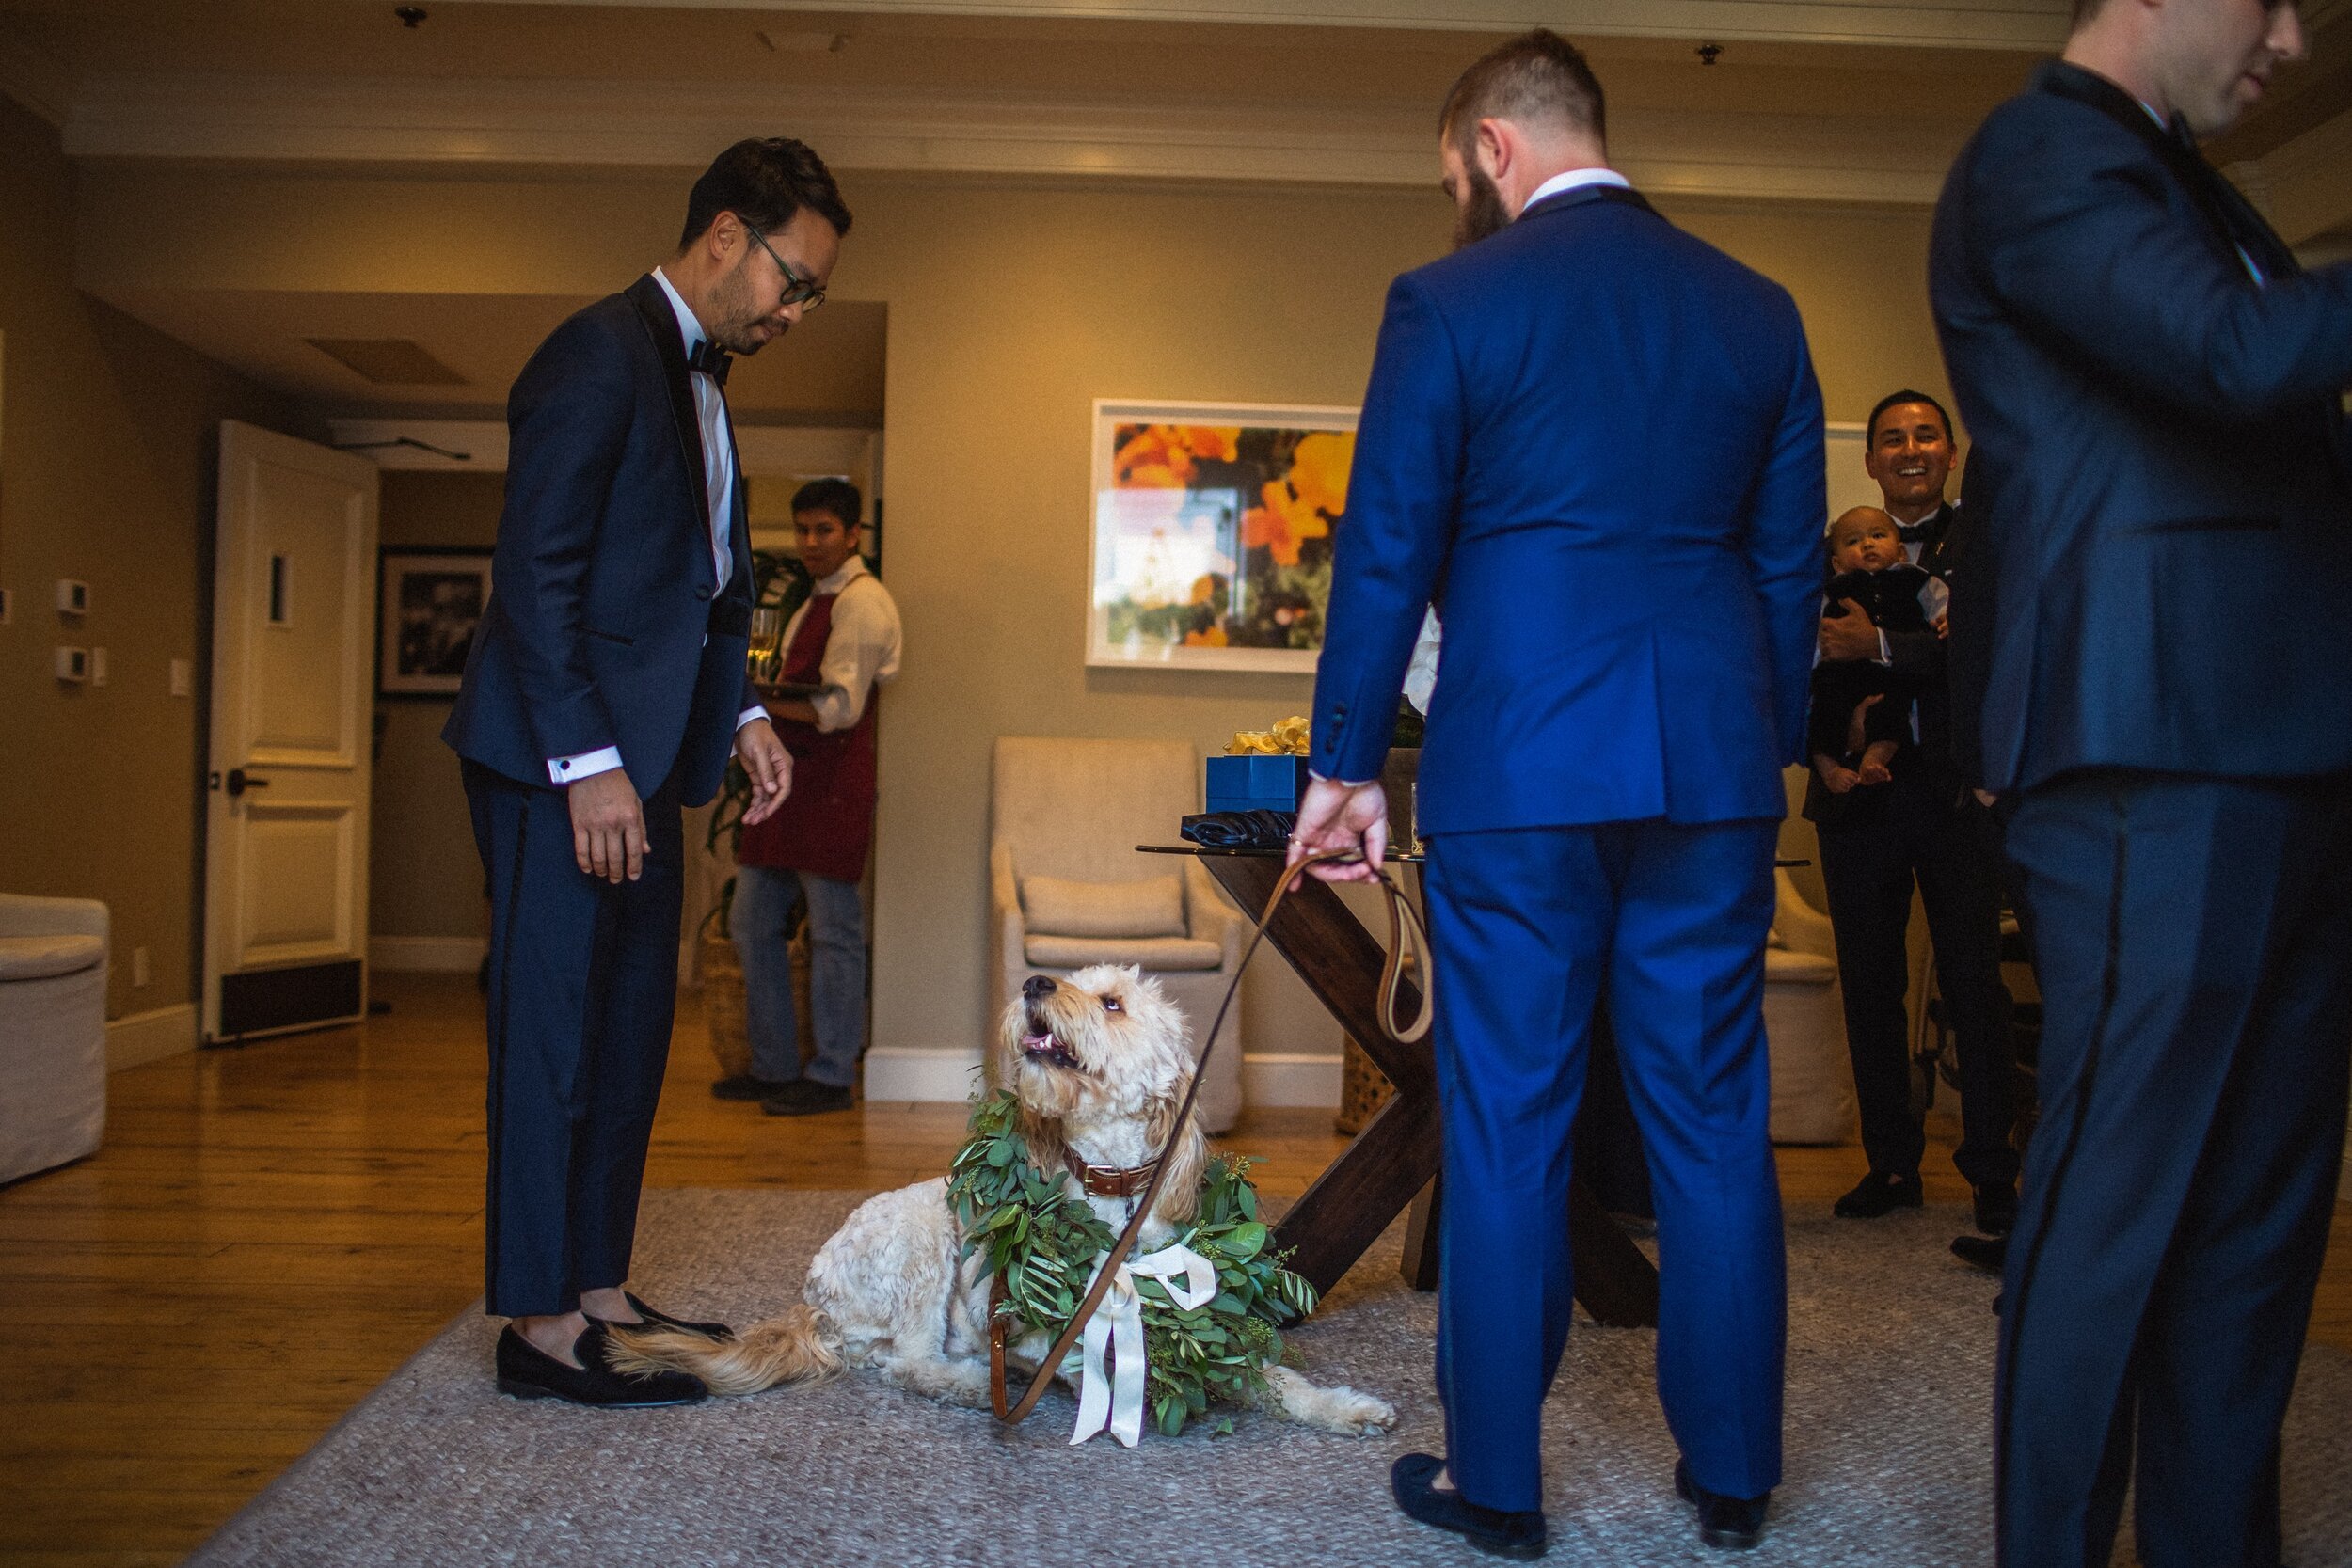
(1594, 444)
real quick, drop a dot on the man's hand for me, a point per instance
(1849, 635)
(608, 826)
(1333, 817)
(769, 767)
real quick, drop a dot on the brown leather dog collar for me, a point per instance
(1110, 1180)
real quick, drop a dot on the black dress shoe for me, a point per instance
(1997, 1208)
(662, 1320)
(1413, 1478)
(805, 1097)
(1989, 1253)
(1734, 1524)
(528, 1373)
(744, 1087)
(1879, 1194)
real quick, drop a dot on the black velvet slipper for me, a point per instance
(1413, 1480)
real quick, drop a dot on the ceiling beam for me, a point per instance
(2032, 25)
(539, 124)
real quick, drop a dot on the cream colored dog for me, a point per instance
(1098, 1064)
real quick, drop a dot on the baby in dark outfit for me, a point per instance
(1866, 553)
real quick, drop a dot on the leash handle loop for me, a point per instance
(1402, 919)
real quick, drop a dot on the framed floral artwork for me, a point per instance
(1212, 530)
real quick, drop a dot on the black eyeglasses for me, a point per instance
(797, 290)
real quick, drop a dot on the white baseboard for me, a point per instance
(426, 955)
(150, 1036)
(912, 1072)
(1290, 1078)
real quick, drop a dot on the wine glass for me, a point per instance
(766, 657)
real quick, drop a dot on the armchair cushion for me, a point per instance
(1154, 906)
(38, 957)
(1147, 953)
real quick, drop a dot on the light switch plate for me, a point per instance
(72, 596)
(72, 665)
(183, 677)
(97, 667)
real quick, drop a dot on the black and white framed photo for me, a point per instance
(429, 599)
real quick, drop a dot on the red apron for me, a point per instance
(827, 822)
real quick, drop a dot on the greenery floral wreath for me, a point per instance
(1042, 1244)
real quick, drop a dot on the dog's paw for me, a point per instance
(1356, 1414)
(1341, 1410)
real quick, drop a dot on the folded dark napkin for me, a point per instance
(1240, 830)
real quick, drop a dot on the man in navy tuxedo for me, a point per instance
(1594, 443)
(2160, 482)
(606, 688)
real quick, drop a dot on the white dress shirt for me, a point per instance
(718, 480)
(862, 649)
(1576, 179)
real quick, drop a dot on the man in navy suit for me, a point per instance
(2160, 476)
(1596, 443)
(606, 688)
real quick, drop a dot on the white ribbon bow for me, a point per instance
(1113, 1399)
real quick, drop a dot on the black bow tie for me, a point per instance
(712, 360)
(1917, 533)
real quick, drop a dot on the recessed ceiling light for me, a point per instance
(803, 42)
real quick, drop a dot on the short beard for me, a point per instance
(730, 302)
(1484, 214)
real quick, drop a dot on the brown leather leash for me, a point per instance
(1403, 921)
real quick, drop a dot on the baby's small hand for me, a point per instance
(1874, 761)
(1836, 778)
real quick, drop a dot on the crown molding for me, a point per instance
(36, 79)
(2301, 185)
(637, 125)
(2029, 24)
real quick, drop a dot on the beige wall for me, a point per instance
(109, 455)
(425, 879)
(1011, 308)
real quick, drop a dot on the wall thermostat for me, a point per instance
(73, 665)
(73, 597)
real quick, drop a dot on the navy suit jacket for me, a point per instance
(602, 628)
(2159, 473)
(1595, 442)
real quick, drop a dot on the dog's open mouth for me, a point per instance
(1039, 1046)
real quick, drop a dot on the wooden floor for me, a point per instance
(271, 1230)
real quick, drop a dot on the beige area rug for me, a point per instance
(1889, 1372)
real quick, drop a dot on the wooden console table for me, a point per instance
(1394, 1160)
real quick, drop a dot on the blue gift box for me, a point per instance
(1256, 783)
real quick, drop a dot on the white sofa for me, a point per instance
(53, 1031)
(1075, 811)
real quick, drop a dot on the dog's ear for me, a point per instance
(1187, 1155)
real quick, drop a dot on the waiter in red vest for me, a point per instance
(844, 642)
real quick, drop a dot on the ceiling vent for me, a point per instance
(388, 361)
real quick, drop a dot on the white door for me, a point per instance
(286, 813)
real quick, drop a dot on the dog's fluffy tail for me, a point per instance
(801, 1346)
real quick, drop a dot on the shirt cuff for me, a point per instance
(566, 771)
(1344, 783)
(748, 715)
(1886, 655)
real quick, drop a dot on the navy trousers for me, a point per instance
(1527, 928)
(2193, 939)
(584, 986)
(1920, 828)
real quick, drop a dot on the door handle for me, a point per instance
(239, 782)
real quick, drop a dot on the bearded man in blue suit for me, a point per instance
(1594, 443)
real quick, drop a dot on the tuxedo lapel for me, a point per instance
(660, 324)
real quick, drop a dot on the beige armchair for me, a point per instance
(1804, 1010)
(53, 1031)
(1075, 811)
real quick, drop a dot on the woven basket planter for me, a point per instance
(1363, 1089)
(723, 1009)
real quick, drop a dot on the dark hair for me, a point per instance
(836, 496)
(1533, 76)
(1892, 400)
(764, 181)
